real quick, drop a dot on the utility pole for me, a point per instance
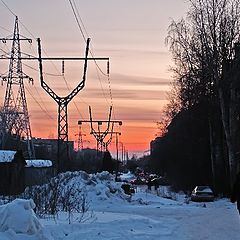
(126, 155)
(117, 167)
(122, 152)
(98, 133)
(117, 142)
(15, 117)
(63, 101)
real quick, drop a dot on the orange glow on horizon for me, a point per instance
(134, 138)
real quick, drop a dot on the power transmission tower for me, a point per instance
(15, 117)
(80, 139)
(63, 101)
(99, 134)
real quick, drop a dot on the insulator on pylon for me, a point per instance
(63, 67)
(108, 67)
(30, 80)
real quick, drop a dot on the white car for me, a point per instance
(202, 194)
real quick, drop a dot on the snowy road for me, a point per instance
(178, 222)
(165, 220)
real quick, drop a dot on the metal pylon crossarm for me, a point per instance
(98, 133)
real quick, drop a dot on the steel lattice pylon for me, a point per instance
(63, 102)
(62, 106)
(99, 134)
(15, 117)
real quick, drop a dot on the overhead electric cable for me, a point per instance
(77, 18)
(74, 12)
(47, 113)
(45, 54)
(84, 37)
(8, 8)
(3, 28)
(80, 18)
(108, 73)
(46, 73)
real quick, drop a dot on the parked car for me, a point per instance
(202, 194)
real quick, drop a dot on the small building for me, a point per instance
(38, 172)
(49, 148)
(12, 174)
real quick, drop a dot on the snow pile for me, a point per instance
(75, 190)
(6, 156)
(38, 163)
(99, 186)
(102, 186)
(19, 217)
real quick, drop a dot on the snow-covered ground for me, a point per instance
(113, 216)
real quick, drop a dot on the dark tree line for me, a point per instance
(183, 154)
(206, 51)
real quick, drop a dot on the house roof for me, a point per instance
(6, 155)
(38, 163)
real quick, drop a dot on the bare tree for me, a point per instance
(203, 48)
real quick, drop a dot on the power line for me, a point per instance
(8, 8)
(15, 16)
(45, 73)
(108, 67)
(77, 17)
(45, 54)
(5, 29)
(80, 18)
(103, 92)
(44, 110)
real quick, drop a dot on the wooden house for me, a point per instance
(38, 172)
(12, 174)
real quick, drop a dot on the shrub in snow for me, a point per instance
(18, 216)
(73, 191)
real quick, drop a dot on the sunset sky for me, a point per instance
(131, 33)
